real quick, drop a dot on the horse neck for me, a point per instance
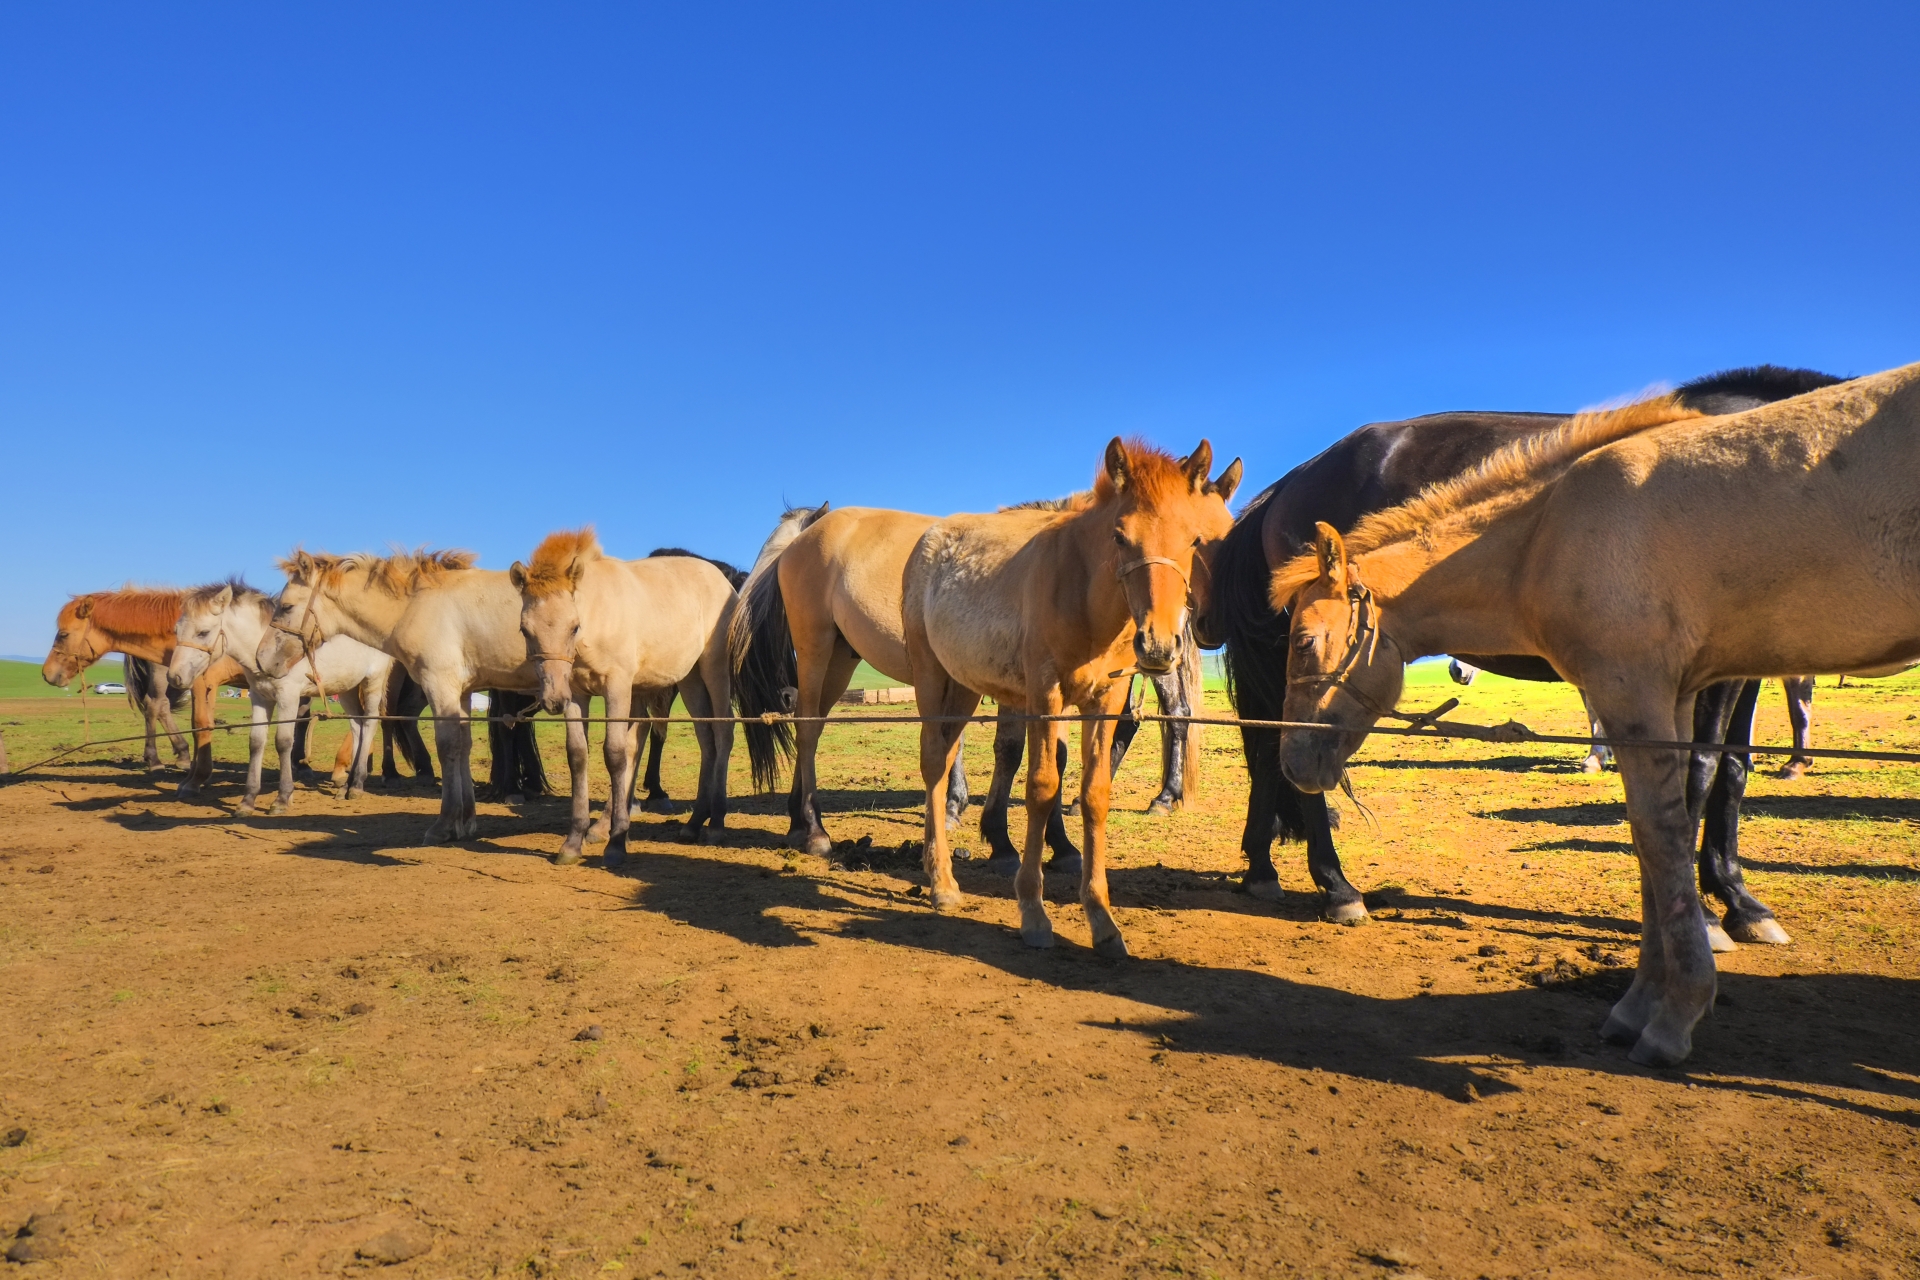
(244, 623)
(367, 613)
(1088, 535)
(155, 646)
(1452, 592)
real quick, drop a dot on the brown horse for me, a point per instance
(1045, 610)
(140, 624)
(1640, 552)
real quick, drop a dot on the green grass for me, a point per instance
(22, 679)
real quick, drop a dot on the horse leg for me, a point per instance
(1707, 773)
(1266, 791)
(830, 676)
(451, 735)
(283, 736)
(657, 800)
(1124, 731)
(163, 710)
(1066, 859)
(358, 746)
(1043, 799)
(1799, 690)
(716, 683)
(151, 756)
(570, 849)
(261, 712)
(1095, 790)
(205, 690)
(1171, 692)
(1674, 985)
(620, 748)
(302, 726)
(957, 793)
(1009, 745)
(1597, 755)
(939, 694)
(1342, 903)
(1748, 919)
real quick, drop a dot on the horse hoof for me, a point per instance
(820, 846)
(1111, 948)
(1590, 765)
(356, 793)
(1651, 1050)
(568, 858)
(947, 899)
(246, 809)
(1353, 911)
(1265, 890)
(280, 807)
(1072, 810)
(1718, 940)
(1002, 866)
(1792, 772)
(657, 804)
(1063, 866)
(597, 832)
(1160, 809)
(1766, 930)
(1035, 929)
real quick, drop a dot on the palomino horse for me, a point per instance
(453, 627)
(823, 594)
(1383, 465)
(230, 620)
(1697, 586)
(139, 624)
(626, 630)
(1045, 610)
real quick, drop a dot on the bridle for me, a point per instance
(1363, 639)
(307, 646)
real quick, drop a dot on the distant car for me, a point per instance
(109, 688)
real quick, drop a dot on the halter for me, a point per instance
(1132, 565)
(1363, 631)
(306, 641)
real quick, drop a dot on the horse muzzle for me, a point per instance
(1313, 760)
(1154, 654)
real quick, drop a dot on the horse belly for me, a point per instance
(978, 643)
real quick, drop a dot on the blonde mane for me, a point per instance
(1504, 479)
(550, 571)
(400, 573)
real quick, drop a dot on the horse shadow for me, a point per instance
(1816, 1038)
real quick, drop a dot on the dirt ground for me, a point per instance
(286, 1046)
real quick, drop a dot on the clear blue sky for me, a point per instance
(348, 275)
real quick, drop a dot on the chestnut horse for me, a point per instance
(139, 623)
(1045, 610)
(1697, 585)
(628, 631)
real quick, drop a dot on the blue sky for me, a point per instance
(355, 275)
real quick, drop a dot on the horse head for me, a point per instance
(71, 653)
(1342, 670)
(295, 629)
(550, 609)
(200, 636)
(1168, 518)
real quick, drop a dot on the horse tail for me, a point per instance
(765, 668)
(1195, 677)
(1241, 617)
(147, 680)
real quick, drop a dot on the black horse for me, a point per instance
(1383, 465)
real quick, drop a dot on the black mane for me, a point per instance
(731, 574)
(1736, 390)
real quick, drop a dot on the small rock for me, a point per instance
(600, 1104)
(36, 1249)
(221, 1108)
(1393, 1255)
(276, 1046)
(591, 1033)
(962, 1141)
(47, 1224)
(13, 1138)
(307, 1013)
(1104, 1212)
(358, 1008)
(350, 973)
(396, 1245)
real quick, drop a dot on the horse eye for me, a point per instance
(1120, 537)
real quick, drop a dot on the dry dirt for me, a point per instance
(279, 1047)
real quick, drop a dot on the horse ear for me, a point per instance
(517, 575)
(84, 609)
(222, 598)
(309, 570)
(1198, 463)
(1117, 464)
(1332, 552)
(1229, 481)
(576, 569)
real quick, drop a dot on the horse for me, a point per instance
(1380, 466)
(139, 623)
(454, 628)
(1697, 586)
(405, 701)
(823, 594)
(595, 625)
(229, 620)
(1049, 609)
(657, 800)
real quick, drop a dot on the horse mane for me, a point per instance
(1503, 479)
(1072, 502)
(1761, 382)
(134, 610)
(400, 573)
(197, 596)
(1153, 475)
(548, 571)
(734, 575)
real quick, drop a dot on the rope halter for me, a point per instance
(1363, 641)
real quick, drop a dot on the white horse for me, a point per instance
(230, 620)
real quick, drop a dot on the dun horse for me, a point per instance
(1380, 466)
(1697, 585)
(628, 631)
(1045, 610)
(139, 624)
